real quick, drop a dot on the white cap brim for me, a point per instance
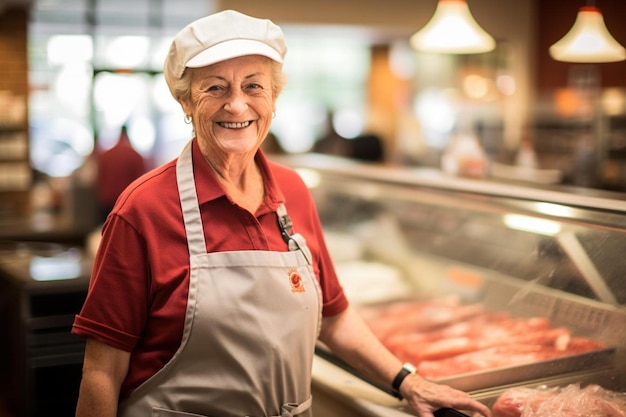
(233, 48)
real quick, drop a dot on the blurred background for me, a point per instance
(81, 81)
(75, 71)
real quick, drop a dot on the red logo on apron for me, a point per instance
(296, 281)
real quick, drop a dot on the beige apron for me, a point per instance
(251, 324)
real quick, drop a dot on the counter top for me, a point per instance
(355, 392)
(45, 267)
(44, 227)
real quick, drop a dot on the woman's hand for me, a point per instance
(426, 397)
(350, 339)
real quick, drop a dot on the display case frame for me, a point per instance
(458, 235)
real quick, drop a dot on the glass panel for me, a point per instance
(65, 12)
(574, 250)
(122, 99)
(133, 15)
(129, 42)
(59, 103)
(327, 71)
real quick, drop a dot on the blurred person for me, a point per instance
(331, 143)
(272, 146)
(213, 283)
(367, 147)
(117, 167)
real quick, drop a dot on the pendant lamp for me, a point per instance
(588, 40)
(452, 30)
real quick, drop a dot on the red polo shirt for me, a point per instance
(138, 289)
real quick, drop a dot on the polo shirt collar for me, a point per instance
(210, 188)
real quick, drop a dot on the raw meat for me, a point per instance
(570, 401)
(511, 402)
(411, 316)
(491, 358)
(446, 338)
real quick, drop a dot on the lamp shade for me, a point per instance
(452, 30)
(588, 40)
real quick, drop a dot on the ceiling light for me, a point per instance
(452, 30)
(588, 40)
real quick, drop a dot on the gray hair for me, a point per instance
(181, 87)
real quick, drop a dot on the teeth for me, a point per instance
(235, 125)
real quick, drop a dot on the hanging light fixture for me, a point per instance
(452, 30)
(588, 40)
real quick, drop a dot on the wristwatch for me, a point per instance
(407, 369)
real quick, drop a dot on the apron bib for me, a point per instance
(251, 324)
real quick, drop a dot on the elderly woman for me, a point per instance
(207, 297)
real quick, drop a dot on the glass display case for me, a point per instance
(400, 235)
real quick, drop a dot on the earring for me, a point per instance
(187, 119)
(273, 115)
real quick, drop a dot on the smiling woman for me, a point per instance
(229, 302)
(231, 105)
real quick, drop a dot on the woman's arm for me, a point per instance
(104, 369)
(351, 340)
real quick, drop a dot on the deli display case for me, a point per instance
(484, 285)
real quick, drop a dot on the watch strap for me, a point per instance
(407, 369)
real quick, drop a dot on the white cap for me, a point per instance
(222, 36)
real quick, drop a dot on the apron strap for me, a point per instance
(193, 220)
(189, 202)
(284, 223)
(295, 240)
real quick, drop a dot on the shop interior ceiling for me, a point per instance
(159, 17)
(127, 16)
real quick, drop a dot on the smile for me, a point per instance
(234, 125)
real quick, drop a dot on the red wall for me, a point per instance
(555, 18)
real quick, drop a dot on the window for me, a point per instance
(96, 65)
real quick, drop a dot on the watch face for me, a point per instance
(449, 412)
(410, 367)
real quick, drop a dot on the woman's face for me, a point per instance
(231, 104)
